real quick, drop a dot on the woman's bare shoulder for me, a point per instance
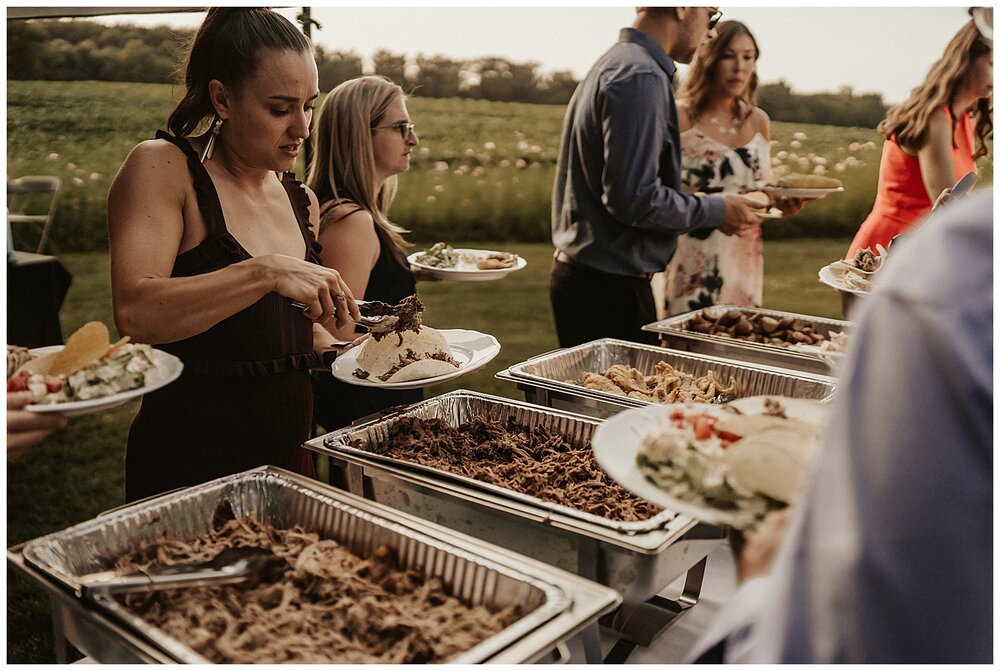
(156, 157)
(346, 218)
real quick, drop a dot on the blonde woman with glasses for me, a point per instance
(364, 138)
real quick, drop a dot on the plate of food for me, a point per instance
(722, 464)
(807, 187)
(857, 274)
(88, 374)
(444, 262)
(413, 359)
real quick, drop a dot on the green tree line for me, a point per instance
(78, 50)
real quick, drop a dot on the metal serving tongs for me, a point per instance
(381, 323)
(230, 566)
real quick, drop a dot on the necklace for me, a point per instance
(731, 129)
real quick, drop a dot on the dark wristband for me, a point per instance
(328, 357)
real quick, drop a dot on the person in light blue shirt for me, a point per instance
(617, 204)
(888, 554)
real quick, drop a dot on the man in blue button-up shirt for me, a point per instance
(617, 204)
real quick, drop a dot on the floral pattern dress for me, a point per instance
(717, 268)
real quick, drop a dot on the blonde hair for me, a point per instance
(700, 82)
(343, 166)
(908, 122)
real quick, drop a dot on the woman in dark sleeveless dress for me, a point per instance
(363, 140)
(210, 244)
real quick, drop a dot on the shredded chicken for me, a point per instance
(325, 605)
(533, 461)
(666, 385)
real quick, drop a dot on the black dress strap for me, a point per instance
(204, 187)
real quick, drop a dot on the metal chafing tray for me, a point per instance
(544, 379)
(674, 333)
(556, 605)
(637, 559)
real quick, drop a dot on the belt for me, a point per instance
(564, 258)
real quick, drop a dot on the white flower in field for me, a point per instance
(774, 143)
(792, 156)
(94, 176)
(505, 163)
(868, 145)
(819, 170)
(53, 156)
(780, 170)
(820, 160)
(795, 144)
(71, 166)
(461, 170)
(441, 166)
(519, 195)
(535, 166)
(431, 199)
(522, 145)
(840, 167)
(439, 188)
(424, 151)
(489, 146)
(521, 164)
(77, 181)
(803, 162)
(470, 152)
(853, 147)
(478, 171)
(782, 155)
(535, 149)
(800, 136)
(775, 160)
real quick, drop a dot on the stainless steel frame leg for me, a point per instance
(59, 634)
(639, 624)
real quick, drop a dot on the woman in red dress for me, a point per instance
(930, 137)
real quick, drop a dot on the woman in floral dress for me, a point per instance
(725, 148)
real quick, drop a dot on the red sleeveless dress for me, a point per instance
(902, 200)
(244, 398)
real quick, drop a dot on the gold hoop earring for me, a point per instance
(206, 153)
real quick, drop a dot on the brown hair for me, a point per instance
(226, 47)
(908, 122)
(698, 85)
(343, 165)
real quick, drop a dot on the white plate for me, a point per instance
(830, 278)
(804, 194)
(466, 271)
(471, 349)
(168, 368)
(616, 446)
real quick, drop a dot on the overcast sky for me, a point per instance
(886, 49)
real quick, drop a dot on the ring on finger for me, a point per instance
(340, 297)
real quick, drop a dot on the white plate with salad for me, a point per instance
(166, 368)
(462, 264)
(709, 462)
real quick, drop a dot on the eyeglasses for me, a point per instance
(714, 19)
(404, 128)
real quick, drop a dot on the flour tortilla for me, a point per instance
(772, 462)
(423, 369)
(377, 357)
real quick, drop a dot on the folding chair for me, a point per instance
(22, 195)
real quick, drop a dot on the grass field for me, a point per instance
(78, 472)
(483, 170)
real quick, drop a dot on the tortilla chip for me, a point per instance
(88, 344)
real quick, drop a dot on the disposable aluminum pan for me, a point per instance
(545, 379)
(284, 499)
(637, 559)
(674, 333)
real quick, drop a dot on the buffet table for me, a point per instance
(36, 287)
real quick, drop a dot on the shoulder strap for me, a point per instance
(204, 187)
